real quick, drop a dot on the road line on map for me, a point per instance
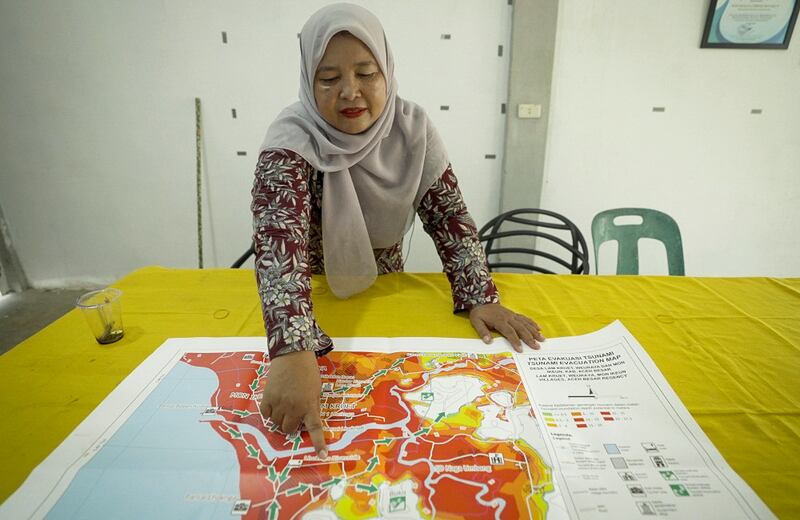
(284, 476)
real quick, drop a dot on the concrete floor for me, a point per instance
(23, 314)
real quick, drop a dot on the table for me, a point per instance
(730, 348)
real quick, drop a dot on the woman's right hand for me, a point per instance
(291, 396)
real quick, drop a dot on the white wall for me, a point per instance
(97, 160)
(97, 134)
(731, 179)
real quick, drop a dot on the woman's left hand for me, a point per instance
(516, 328)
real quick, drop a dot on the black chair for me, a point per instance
(242, 259)
(534, 224)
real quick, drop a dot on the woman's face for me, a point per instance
(349, 87)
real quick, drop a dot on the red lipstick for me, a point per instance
(352, 112)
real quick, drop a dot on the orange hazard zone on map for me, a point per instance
(409, 434)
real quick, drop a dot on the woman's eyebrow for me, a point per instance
(329, 68)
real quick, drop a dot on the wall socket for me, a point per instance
(529, 111)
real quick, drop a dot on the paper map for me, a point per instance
(416, 428)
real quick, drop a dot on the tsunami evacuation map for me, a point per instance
(410, 435)
(417, 428)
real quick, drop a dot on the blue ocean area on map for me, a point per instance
(162, 452)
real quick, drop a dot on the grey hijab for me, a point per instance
(373, 180)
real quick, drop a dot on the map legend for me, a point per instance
(587, 417)
(580, 421)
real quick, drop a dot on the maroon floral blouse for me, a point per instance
(287, 212)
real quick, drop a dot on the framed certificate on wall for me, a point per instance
(750, 24)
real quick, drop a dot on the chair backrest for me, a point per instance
(543, 226)
(655, 224)
(242, 259)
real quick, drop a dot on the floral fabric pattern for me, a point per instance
(445, 218)
(287, 231)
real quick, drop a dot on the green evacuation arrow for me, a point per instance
(330, 483)
(383, 441)
(233, 433)
(398, 362)
(439, 417)
(369, 489)
(422, 432)
(261, 370)
(284, 475)
(254, 385)
(367, 389)
(372, 463)
(273, 475)
(299, 490)
(241, 413)
(252, 451)
(380, 373)
(273, 510)
(341, 389)
(296, 443)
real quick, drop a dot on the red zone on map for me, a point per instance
(277, 489)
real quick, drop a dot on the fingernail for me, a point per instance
(487, 339)
(323, 454)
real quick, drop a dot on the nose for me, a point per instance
(350, 89)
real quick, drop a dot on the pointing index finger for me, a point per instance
(314, 426)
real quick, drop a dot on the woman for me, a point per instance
(339, 176)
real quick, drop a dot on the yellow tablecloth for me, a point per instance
(730, 347)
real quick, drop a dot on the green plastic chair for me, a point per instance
(655, 224)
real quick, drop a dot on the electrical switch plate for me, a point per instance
(529, 111)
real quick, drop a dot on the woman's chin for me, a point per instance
(356, 126)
